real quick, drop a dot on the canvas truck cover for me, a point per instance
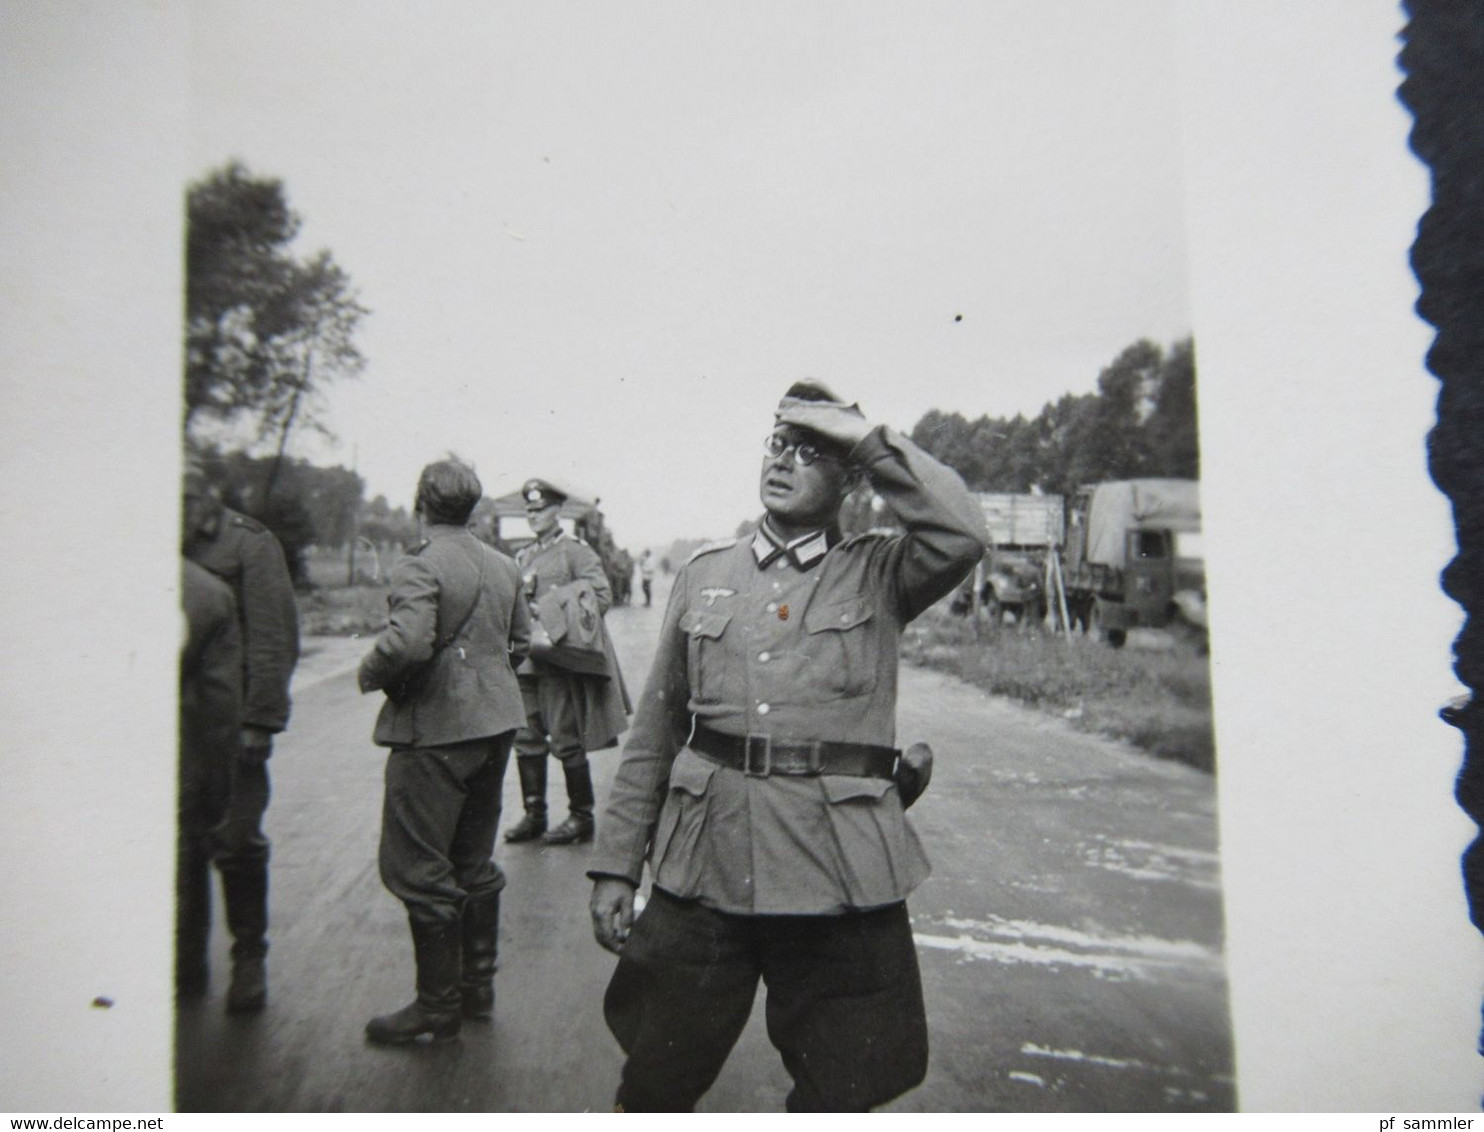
(1117, 507)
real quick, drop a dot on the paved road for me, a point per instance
(1070, 936)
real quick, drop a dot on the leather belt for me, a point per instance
(762, 755)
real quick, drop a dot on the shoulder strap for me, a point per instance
(447, 639)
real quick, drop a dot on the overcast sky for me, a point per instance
(599, 240)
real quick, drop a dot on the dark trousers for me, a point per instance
(438, 822)
(220, 819)
(844, 1004)
(239, 839)
(553, 724)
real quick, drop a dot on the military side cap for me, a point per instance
(539, 493)
(812, 389)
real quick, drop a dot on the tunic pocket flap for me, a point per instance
(691, 773)
(843, 788)
(699, 623)
(838, 615)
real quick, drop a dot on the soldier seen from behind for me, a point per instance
(762, 784)
(210, 718)
(575, 699)
(457, 626)
(244, 554)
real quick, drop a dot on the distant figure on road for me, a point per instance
(575, 699)
(210, 718)
(646, 575)
(456, 627)
(244, 554)
(761, 783)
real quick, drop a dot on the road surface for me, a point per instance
(1070, 936)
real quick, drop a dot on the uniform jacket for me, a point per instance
(798, 644)
(210, 683)
(567, 565)
(244, 554)
(468, 688)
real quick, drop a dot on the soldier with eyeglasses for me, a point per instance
(762, 783)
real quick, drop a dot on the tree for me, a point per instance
(266, 332)
(1174, 443)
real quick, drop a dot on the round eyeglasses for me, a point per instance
(805, 452)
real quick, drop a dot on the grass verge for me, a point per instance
(340, 611)
(1155, 694)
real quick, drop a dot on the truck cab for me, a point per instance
(1134, 557)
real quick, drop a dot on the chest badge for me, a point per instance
(711, 593)
(783, 612)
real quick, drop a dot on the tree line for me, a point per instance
(1140, 421)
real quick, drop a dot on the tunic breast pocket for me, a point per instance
(706, 647)
(842, 648)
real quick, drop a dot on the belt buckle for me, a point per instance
(747, 759)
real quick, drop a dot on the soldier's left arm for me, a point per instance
(661, 724)
(945, 535)
(270, 620)
(587, 566)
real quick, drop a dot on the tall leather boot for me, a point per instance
(481, 932)
(245, 892)
(438, 947)
(579, 824)
(532, 770)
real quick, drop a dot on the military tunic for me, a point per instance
(797, 643)
(245, 554)
(468, 688)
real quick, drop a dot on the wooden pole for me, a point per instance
(1054, 565)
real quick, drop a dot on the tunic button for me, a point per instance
(844, 617)
(763, 709)
(771, 607)
(783, 564)
(764, 657)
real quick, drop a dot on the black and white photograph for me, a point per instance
(790, 557)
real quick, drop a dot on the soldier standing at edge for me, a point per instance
(244, 554)
(569, 710)
(758, 783)
(456, 626)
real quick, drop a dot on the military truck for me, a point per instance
(1132, 557)
(1023, 530)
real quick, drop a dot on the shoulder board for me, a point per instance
(419, 546)
(720, 544)
(246, 522)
